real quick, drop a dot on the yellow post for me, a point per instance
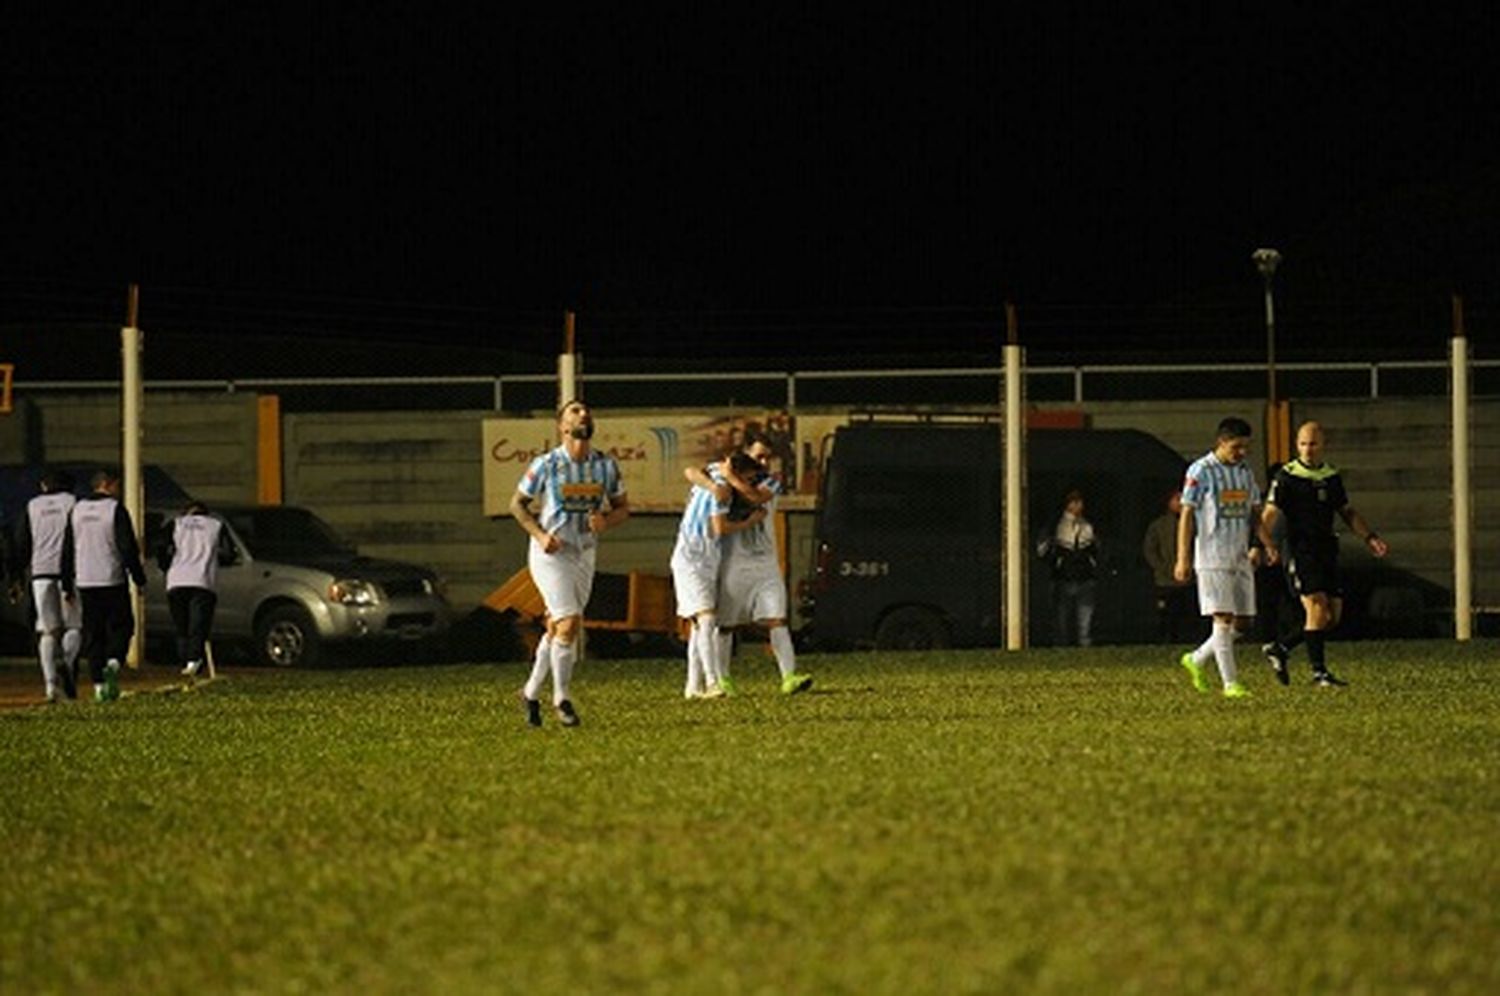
(268, 449)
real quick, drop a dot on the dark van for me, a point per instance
(909, 532)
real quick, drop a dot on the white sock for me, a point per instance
(726, 650)
(1223, 641)
(1206, 648)
(563, 656)
(46, 651)
(694, 685)
(781, 646)
(72, 642)
(704, 631)
(541, 666)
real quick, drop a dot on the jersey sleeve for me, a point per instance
(1192, 487)
(615, 485)
(531, 482)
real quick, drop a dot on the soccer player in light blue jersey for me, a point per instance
(1220, 516)
(581, 495)
(695, 570)
(751, 586)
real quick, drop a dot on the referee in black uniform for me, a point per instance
(1308, 491)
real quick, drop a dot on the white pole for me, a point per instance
(132, 407)
(1463, 512)
(567, 365)
(1014, 459)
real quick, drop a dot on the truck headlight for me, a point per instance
(351, 592)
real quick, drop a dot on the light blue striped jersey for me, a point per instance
(570, 489)
(760, 539)
(1224, 499)
(702, 505)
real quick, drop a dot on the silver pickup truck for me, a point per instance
(289, 586)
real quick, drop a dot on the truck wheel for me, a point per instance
(286, 637)
(912, 628)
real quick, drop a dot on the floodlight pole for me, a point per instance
(567, 364)
(1463, 510)
(1014, 454)
(1266, 261)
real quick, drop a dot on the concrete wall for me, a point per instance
(407, 484)
(207, 442)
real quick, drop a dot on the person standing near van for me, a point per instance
(191, 559)
(582, 496)
(1220, 506)
(40, 536)
(1159, 549)
(1306, 493)
(99, 552)
(1070, 551)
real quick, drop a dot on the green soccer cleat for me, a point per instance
(1195, 670)
(1235, 690)
(728, 687)
(112, 681)
(794, 683)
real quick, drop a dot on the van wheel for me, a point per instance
(286, 637)
(912, 628)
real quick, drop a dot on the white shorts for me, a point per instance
(53, 612)
(1227, 590)
(565, 578)
(751, 590)
(695, 577)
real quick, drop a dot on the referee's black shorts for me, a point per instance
(1313, 568)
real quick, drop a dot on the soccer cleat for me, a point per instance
(1327, 679)
(112, 681)
(1235, 690)
(1195, 670)
(727, 686)
(99, 694)
(566, 714)
(69, 681)
(192, 668)
(794, 683)
(712, 692)
(52, 694)
(1276, 657)
(533, 708)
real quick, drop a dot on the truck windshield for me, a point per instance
(278, 533)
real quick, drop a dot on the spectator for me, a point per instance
(1174, 598)
(1070, 551)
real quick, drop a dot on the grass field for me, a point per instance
(958, 822)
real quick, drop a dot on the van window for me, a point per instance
(904, 500)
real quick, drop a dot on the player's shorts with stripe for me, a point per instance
(565, 578)
(695, 576)
(53, 612)
(751, 590)
(1312, 568)
(1227, 590)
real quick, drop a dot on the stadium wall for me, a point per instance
(408, 485)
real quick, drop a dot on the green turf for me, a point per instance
(962, 822)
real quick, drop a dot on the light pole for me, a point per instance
(1266, 261)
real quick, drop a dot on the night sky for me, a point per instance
(803, 184)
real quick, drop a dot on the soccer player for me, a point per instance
(40, 535)
(1306, 493)
(191, 559)
(99, 551)
(1220, 502)
(751, 587)
(582, 496)
(695, 569)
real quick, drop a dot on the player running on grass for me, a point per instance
(582, 495)
(1220, 504)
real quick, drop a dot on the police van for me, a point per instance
(909, 532)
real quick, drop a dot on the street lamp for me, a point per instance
(1266, 261)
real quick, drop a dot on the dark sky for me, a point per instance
(319, 172)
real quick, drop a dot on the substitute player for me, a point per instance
(1220, 505)
(40, 537)
(1306, 493)
(751, 587)
(582, 496)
